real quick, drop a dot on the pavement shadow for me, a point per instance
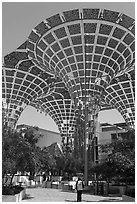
(69, 191)
(110, 200)
(76, 201)
(28, 197)
(70, 200)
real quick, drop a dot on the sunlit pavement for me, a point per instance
(57, 195)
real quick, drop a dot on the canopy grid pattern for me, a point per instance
(86, 48)
(69, 57)
(24, 83)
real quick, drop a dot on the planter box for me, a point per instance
(44, 184)
(14, 198)
(55, 186)
(120, 190)
(60, 186)
(65, 187)
(127, 199)
(48, 184)
(56, 178)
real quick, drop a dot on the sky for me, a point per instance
(18, 20)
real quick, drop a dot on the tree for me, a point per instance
(47, 161)
(9, 150)
(120, 162)
(18, 152)
(31, 135)
(68, 166)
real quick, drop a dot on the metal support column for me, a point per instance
(86, 147)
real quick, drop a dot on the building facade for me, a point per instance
(47, 137)
(111, 133)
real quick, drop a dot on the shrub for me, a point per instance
(11, 190)
(113, 191)
(130, 192)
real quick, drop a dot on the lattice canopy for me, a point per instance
(121, 95)
(68, 58)
(86, 48)
(60, 107)
(22, 82)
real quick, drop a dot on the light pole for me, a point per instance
(67, 145)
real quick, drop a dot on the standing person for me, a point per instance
(44, 180)
(79, 188)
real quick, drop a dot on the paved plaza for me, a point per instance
(57, 195)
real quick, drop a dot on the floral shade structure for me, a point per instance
(85, 48)
(121, 95)
(59, 106)
(22, 82)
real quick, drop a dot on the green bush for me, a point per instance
(11, 190)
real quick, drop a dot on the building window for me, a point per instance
(113, 136)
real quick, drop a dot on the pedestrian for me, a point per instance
(79, 188)
(44, 180)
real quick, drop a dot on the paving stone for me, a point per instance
(57, 195)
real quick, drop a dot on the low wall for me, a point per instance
(14, 198)
(20, 196)
(65, 186)
(121, 189)
(48, 184)
(56, 178)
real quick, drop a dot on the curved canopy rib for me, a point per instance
(85, 48)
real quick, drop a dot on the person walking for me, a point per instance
(79, 188)
(44, 180)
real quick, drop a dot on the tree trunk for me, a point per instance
(108, 185)
(4, 176)
(11, 179)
